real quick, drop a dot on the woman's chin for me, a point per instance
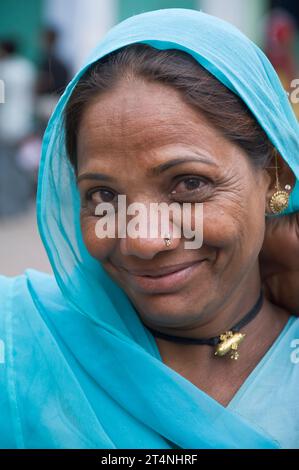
(170, 310)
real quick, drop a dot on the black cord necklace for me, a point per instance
(226, 342)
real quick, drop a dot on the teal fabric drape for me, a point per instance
(80, 370)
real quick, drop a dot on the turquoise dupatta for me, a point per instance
(80, 368)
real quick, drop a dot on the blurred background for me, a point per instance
(44, 42)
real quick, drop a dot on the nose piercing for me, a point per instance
(167, 240)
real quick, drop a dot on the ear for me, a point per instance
(284, 174)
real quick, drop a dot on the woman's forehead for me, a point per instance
(144, 118)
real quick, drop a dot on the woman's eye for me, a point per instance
(100, 195)
(189, 184)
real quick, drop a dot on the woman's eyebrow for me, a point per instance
(94, 176)
(157, 170)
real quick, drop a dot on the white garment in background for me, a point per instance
(16, 113)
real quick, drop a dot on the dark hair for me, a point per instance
(176, 68)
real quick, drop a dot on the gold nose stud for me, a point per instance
(167, 240)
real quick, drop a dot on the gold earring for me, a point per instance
(280, 199)
(167, 240)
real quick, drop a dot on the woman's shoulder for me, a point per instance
(25, 346)
(16, 299)
(41, 282)
(8, 284)
(292, 339)
(21, 294)
(292, 326)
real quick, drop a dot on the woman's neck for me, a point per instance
(221, 377)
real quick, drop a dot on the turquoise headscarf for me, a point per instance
(93, 376)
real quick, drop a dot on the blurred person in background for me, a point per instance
(280, 41)
(16, 124)
(53, 76)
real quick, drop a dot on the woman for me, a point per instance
(173, 106)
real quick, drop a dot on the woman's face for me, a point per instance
(124, 135)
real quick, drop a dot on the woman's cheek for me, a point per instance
(220, 228)
(98, 248)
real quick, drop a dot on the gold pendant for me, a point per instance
(229, 342)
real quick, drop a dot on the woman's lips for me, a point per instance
(165, 283)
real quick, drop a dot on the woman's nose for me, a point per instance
(148, 247)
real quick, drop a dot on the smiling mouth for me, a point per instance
(167, 282)
(161, 271)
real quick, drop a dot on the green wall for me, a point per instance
(128, 8)
(21, 20)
